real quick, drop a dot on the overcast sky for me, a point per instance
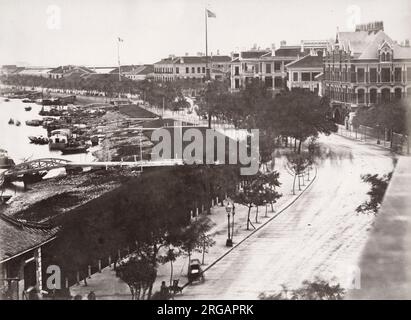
(84, 32)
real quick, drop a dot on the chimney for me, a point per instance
(407, 43)
(218, 52)
(273, 49)
(186, 54)
(283, 43)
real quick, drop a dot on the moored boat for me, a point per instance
(5, 198)
(34, 123)
(18, 123)
(11, 121)
(27, 108)
(6, 100)
(38, 139)
(59, 139)
(74, 147)
(5, 161)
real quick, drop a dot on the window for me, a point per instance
(268, 82)
(353, 74)
(361, 95)
(278, 82)
(397, 74)
(295, 76)
(360, 75)
(373, 75)
(237, 71)
(385, 75)
(385, 95)
(193, 70)
(373, 96)
(305, 76)
(187, 70)
(408, 74)
(177, 70)
(203, 69)
(237, 83)
(198, 70)
(398, 93)
(268, 68)
(277, 66)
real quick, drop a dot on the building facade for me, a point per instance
(365, 67)
(303, 73)
(66, 71)
(269, 65)
(136, 72)
(192, 67)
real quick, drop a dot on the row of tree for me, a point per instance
(393, 116)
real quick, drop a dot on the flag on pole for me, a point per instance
(120, 40)
(210, 14)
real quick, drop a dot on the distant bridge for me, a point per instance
(47, 164)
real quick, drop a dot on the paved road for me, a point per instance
(320, 235)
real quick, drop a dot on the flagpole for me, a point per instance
(118, 57)
(206, 39)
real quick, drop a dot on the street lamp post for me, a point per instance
(229, 242)
(232, 227)
(378, 134)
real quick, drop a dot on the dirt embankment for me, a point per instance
(50, 198)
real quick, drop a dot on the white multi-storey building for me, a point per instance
(191, 67)
(269, 65)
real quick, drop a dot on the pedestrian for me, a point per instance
(91, 296)
(163, 288)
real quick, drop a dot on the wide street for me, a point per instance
(320, 235)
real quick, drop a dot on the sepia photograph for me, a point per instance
(230, 152)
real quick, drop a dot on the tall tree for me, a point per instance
(378, 187)
(257, 190)
(213, 99)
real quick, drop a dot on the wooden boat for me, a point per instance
(34, 123)
(11, 121)
(72, 149)
(5, 161)
(38, 140)
(5, 198)
(26, 100)
(6, 100)
(27, 108)
(94, 140)
(18, 123)
(59, 139)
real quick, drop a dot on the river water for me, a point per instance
(15, 140)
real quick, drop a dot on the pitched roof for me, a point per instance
(63, 69)
(291, 51)
(201, 59)
(253, 54)
(135, 69)
(194, 59)
(17, 239)
(308, 61)
(364, 45)
(166, 61)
